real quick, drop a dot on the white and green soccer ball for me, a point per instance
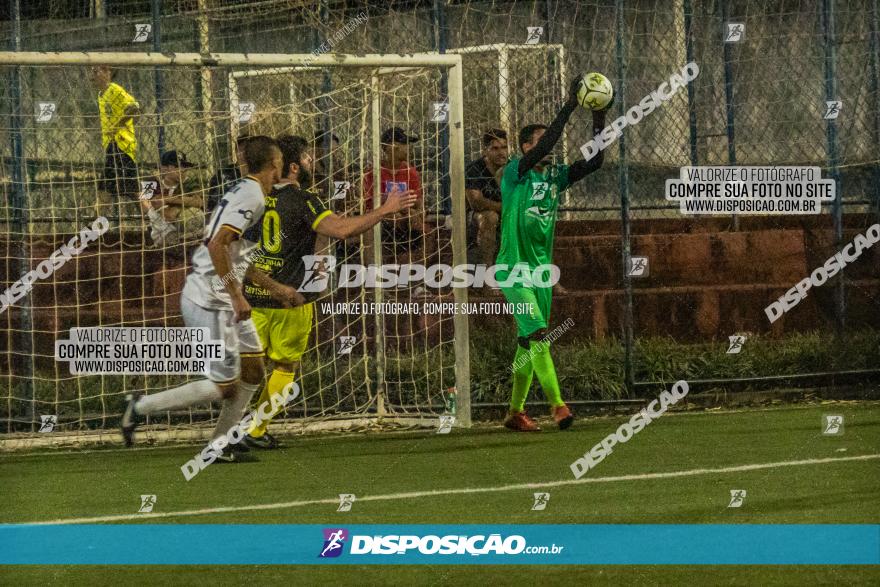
(595, 91)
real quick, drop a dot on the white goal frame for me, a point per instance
(378, 64)
(503, 51)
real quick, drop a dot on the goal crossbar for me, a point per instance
(227, 59)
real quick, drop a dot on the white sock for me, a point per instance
(233, 409)
(201, 391)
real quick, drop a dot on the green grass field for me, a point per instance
(483, 475)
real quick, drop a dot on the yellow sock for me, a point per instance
(277, 382)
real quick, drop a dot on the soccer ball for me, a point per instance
(595, 91)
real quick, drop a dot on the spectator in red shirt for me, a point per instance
(404, 233)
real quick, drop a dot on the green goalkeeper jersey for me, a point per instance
(528, 215)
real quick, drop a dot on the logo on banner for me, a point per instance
(400, 186)
(334, 541)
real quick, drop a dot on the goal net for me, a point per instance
(510, 86)
(390, 365)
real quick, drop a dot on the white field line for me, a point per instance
(460, 491)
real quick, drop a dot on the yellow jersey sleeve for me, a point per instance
(119, 99)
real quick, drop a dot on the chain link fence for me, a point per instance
(757, 100)
(767, 72)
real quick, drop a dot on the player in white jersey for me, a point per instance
(213, 298)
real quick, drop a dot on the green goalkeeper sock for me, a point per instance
(543, 364)
(522, 378)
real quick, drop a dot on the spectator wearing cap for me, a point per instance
(176, 214)
(403, 234)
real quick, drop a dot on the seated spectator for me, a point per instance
(483, 193)
(176, 212)
(403, 235)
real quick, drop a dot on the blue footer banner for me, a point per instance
(636, 544)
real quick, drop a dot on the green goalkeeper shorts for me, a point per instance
(531, 307)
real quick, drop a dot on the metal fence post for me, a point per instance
(623, 177)
(324, 103)
(833, 157)
(156, 9)
(441, 41)
(20, 224)
(691, 92)
(204, 88)
(875, 90)
(729, 103)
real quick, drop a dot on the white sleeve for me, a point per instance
(240, 208)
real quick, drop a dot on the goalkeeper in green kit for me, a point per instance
(530, 189)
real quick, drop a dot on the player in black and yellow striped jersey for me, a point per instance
(286, 233)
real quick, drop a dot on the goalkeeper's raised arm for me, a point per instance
(539, 155)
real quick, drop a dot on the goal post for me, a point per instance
(406, 366)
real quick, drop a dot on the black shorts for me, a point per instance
(120, 173)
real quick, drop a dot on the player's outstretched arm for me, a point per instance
(551, 136)
(583, 168)
(340, 227)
